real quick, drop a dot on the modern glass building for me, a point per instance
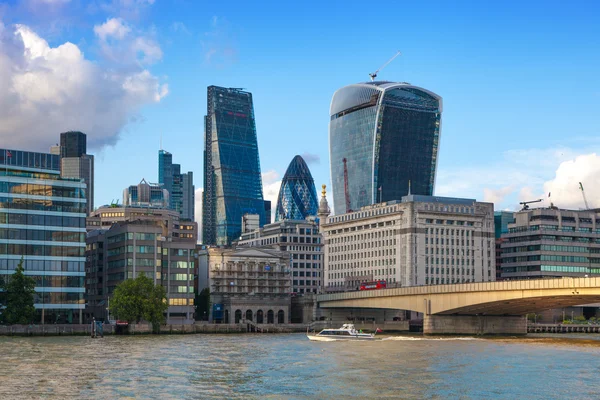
(386, 135)
(75, 163)
(146, 194)
(297, 196)
(232, 180)
(42, 221)
(180, 186)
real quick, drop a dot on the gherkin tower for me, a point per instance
(297, 195)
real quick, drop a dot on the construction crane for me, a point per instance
(526, 204)
(583, 194)
(346, 191)
(374, 74)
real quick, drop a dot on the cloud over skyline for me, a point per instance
(46, 90)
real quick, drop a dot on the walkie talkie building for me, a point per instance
(389, 134)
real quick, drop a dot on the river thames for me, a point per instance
(288, 366)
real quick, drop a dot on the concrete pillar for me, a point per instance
(474, 325)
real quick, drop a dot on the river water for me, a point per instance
(289, 366)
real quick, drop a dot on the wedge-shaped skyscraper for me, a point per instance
(232, 180)
(297, 195)
(383, 138)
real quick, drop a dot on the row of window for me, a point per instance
(534, 238)
(305, 265)
(41, 250)
(449, 222)
(41, 220)
(42, 235)
(303, 282)
(449, 261)
(42, 205)
(315, 274)
(43, 265)
(41, 190)
(543, 227)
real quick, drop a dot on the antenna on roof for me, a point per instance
(374, 74)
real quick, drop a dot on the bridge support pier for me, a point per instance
(474, 325)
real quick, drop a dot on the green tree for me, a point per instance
(202, 304)
(18, 298)
(139, 299)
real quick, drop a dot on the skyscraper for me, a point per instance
(146, 194)
(75, 163)
(180, 186)
(297, 196)
(383, 139)
(232, 180)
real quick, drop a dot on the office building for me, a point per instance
(383, 138)
(146, 194)
(42, 220)
(302, 240)
(180, 186)
(297, 196)
(421, 240)
(133, 241)
(76, 163)
(267, 212)
(501, 221)
(232, 179)
(247, 284)
(550, 243)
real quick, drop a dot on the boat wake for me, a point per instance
(408, 338)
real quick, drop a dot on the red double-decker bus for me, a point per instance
(373, 285)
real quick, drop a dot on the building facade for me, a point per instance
(247, 284)
(159, 245)
(76, 163)
(146, 194)
(180, 186)
(302, 240)
(232, 179)
(550, 243)
(383, 138)
(501, 221)
(42, 221)
(297, 195)
(421, 240)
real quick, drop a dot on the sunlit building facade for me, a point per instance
(42, 221)
(386, 135)
(297, 195)
(232, 180)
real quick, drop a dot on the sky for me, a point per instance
(519, 82)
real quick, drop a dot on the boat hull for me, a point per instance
(323, 338)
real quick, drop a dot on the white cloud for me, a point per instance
(564, 187)
(271, 185)
(148, 49)
(220, 43)
(113, 27)
(496, 195)
(198, 211)
(47, 90)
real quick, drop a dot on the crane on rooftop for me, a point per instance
(374, 74)
(526, 203)
(584, 198)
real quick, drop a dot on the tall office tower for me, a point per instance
(267, 212)
(189, 197)
(232, 180)
(383, 143)
(43, 222)
(75, 163)
(177, 184)
(297, 196)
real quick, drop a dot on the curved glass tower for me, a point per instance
(388, 134)
(297, 195)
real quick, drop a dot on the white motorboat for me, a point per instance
(346, 332)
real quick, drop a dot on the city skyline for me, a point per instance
(497, 145)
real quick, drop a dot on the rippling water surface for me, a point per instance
(290, 366)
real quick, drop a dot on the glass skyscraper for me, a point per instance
(386, 135)
(297, 196)
(180, 186)
(232, 180)
(42, 221)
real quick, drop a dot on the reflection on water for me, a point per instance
(290, 366)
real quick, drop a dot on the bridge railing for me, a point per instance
(531, 284)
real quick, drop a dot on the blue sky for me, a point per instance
(519, 82)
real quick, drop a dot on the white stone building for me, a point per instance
(421, 240)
